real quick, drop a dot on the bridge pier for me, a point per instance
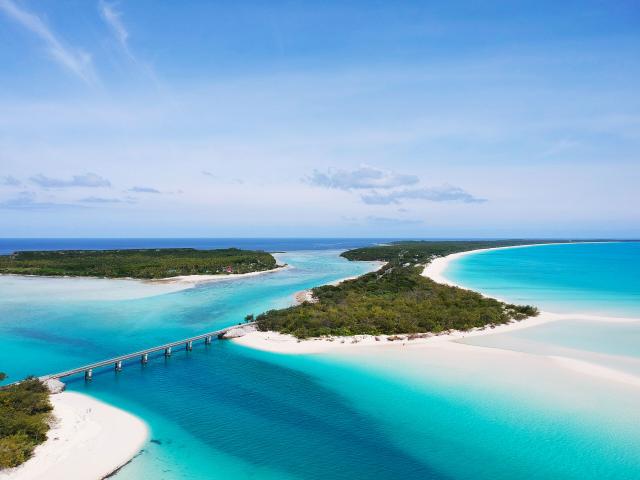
(117, 362)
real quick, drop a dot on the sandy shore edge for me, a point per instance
(286, 344)
(89, 439)
(191, 280)
(281, 343)
(307, 295)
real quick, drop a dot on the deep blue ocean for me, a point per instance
(226, 411)
(9, 245)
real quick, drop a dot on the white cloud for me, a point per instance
(445, 193)
(76, 61)
(105, 200)
(87, 180)
(144, 190)
(361, 178)
(10, 181)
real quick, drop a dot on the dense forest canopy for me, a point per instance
(24, 420)
(144, 263)
(423, 251)
(397, 299)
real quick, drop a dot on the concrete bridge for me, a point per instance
(143, 355)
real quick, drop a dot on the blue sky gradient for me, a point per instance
(422, 119)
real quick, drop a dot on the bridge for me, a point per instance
(143, 355)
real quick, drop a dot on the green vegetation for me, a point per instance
(24, 420)
(396, 299)
(422, 252)
(149, 263)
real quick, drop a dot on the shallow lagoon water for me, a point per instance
(226, 411)
(595, 278)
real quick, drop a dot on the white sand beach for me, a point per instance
(282, 343)
(95, 288)
(187, 281)
(446, 343)
(88, 440)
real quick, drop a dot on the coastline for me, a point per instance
(177, 279)
(425, 344)
(88, 439)
(435, 269)
(307, 295)
(192, 280)
(276, 342)
(130, 288)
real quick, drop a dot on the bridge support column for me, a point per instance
(88, 374)
(189, 345)
(144, 358)
(118, 365)
(207, 340)
(167, 352)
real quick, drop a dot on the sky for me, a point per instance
(268, 118)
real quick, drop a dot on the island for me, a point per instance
(397, 299)
(137, 263)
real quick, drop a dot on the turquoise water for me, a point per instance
(75, 327)
(231, 412)
(590, 277)
(595, 278)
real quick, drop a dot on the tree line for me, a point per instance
(136, 263)
(397, 299)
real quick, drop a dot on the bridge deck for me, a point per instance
(129, 356)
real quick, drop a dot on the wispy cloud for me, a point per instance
(106, 200)
(87, 180)
(27, 201)
(445, 193)
(113, 18)
(370, 180)
(10, 181)
(365, 177)
(144, 190)
(75, 60)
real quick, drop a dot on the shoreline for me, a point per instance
(155, 286)
(178, 279)
(276, 342)
(193, 280)
(88, 439)
(307, 295)
(186, 280)
(435, 269)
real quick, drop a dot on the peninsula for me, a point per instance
(397, 299)
(137, 263)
